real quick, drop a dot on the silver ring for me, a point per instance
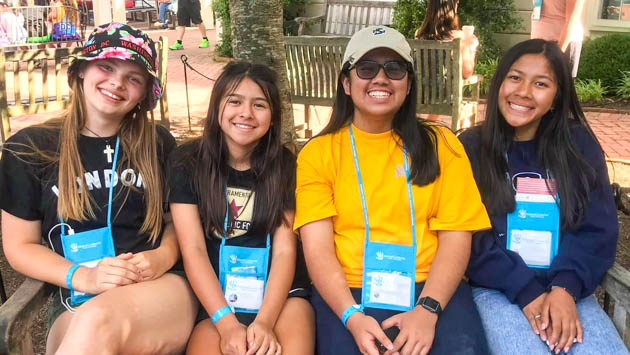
(537, 316)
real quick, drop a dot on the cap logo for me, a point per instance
(378, 31)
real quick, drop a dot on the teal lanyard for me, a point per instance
(111, 191)
(363, 201)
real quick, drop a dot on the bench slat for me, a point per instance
(44, 66)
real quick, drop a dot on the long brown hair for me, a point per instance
(272, 164)
(139, 142)
(440, 20)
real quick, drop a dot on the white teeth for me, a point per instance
(115, 97)
(519, 107)
(243, 126)
(379, 94)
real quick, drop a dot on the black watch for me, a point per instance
(430, 304)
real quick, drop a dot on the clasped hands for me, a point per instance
(553, 316)
(417, 330)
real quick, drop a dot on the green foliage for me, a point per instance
(487, 69)
(623, 85)
(603, 57)
(222, 12)
(589, 90)
(488, 16)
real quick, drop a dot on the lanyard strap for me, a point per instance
(361, 190)
(225, 223)
(111, 190)
(510, 179)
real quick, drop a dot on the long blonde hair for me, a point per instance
(139, 142)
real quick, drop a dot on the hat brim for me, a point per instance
(359, 54)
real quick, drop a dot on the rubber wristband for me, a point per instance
(222, 312)
(350, 311)
(69, 275)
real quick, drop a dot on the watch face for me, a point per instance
(431, 304)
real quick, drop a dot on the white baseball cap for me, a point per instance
(376, 37)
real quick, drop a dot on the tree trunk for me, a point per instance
(257, 37)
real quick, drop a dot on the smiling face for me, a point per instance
(527, 94)
(376, 100)
(245, 117)
(112, 88)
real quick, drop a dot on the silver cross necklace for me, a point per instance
(108, 149)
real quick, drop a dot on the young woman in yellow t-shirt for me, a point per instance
(386, 204)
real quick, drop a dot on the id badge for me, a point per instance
(534, 229)
(389, 276)
(243, 274)
(87, 248)
(244, 292)
(537, 10)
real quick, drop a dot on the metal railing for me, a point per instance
(26, 25)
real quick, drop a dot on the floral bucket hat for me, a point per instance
(120, 41)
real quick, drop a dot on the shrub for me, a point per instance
(589, 90)
(488, 16)
(487, 69)
(603, 57)
(623, 85)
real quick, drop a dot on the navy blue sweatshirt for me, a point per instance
(584, 255)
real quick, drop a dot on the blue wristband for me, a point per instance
(223, 311)
(69, 275)
(350, 311)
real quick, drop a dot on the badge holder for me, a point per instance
(389, 270)
(89, 247)
(537, 10)
(533, 228)
(243, 273)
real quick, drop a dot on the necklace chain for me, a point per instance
(91, 131)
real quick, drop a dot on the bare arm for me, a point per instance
(468, 52)
(330, 281)
(22, 246)
(281, 273)
(573, 17)
(260, 335)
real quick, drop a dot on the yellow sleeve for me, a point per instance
(314, 185)
(458, 202)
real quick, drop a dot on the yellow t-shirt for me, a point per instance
(327, 186)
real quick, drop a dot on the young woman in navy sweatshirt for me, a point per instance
(534, 282)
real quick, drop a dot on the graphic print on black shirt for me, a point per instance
(28, 188)
(241, 204)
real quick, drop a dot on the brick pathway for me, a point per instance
(612, 129)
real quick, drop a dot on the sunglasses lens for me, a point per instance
(395, 70)
(367, 70)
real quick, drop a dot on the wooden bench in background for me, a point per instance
(39, 98)
(314, 63)
(344, 18)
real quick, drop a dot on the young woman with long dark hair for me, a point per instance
(232, 199)
(385, 209)
(91, 185)
(543, 179)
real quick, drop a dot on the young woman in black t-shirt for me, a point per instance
(100, 209)
(232, 193)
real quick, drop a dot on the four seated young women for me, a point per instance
(384, 203)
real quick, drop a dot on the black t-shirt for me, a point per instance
(28, 186)
(240, 196)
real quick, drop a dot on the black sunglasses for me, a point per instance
(368, 69)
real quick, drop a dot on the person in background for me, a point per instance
(441, 23)
(561, 21)
(189, 11)
(162, 21)
(543, 179)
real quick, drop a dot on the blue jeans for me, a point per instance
(458, 329)
(162, 10)
(509, 332)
